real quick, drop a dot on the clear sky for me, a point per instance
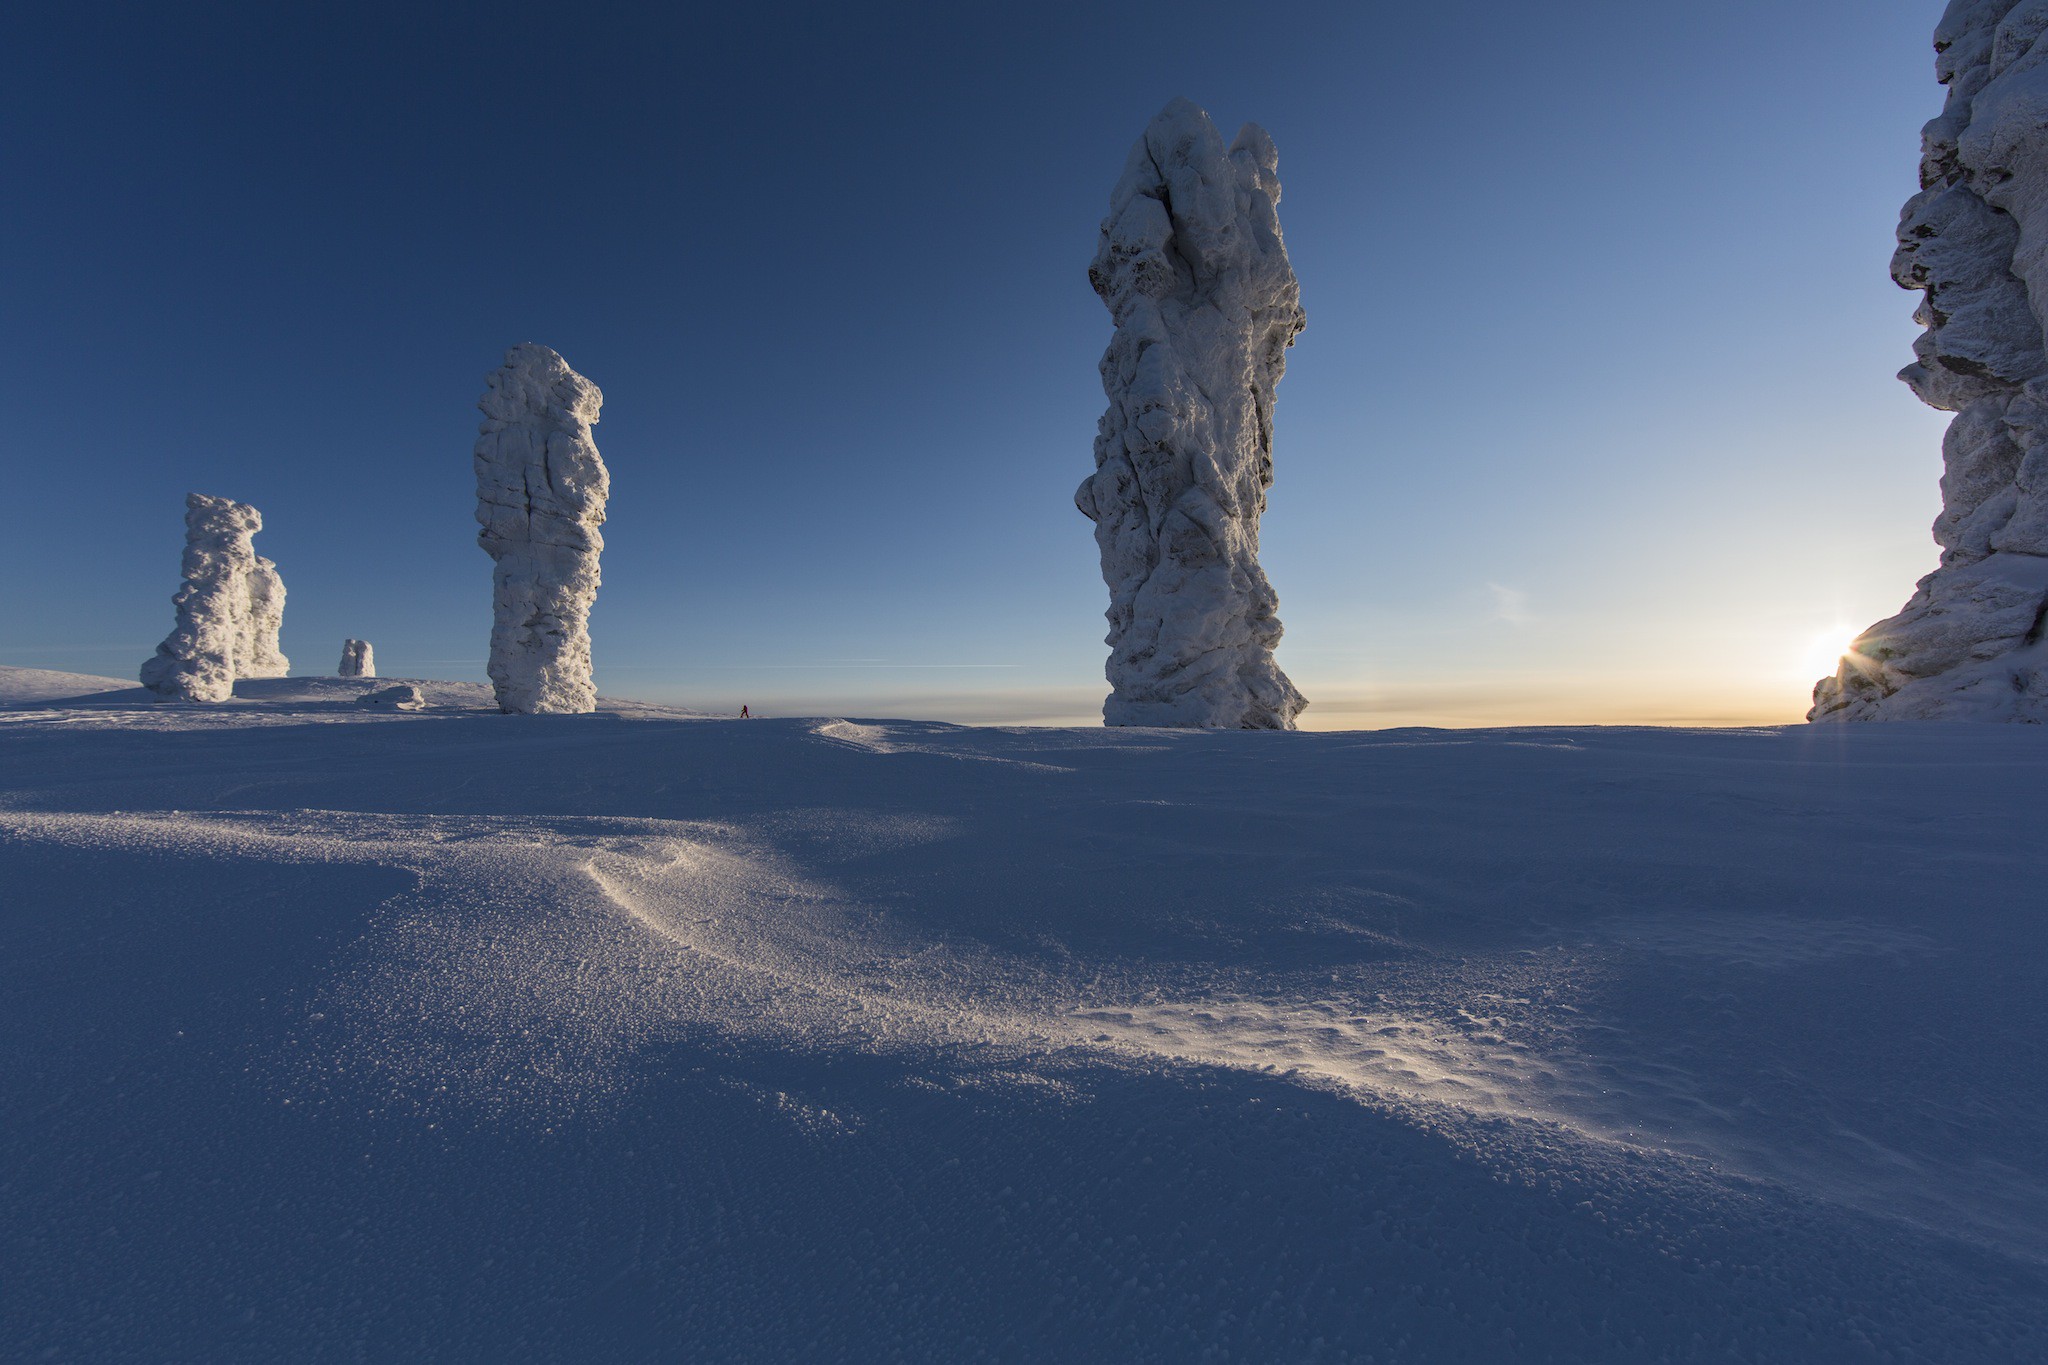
(1594, 418)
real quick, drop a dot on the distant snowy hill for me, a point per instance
(346, 1033)
(41, 684)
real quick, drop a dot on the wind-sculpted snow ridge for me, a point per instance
(1193, 270)
(358, 660)
(541, 490)
(1969, 646)
(230, 606)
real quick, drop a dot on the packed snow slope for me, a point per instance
(340, 1033)
(43, 684)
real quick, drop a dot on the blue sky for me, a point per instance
(1593, 419)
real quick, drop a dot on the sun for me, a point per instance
(1825, 650)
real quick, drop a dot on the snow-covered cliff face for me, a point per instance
(1194, 272)
(1968, 646)
(541, 490)
(358, 660)
(229, 607)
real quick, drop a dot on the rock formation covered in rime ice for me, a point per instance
(1968, 646)
(357, 660)
(541, 491)
(257, 654)
(1193, 270)
(229, 608)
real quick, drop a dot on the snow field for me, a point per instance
(354, 1034)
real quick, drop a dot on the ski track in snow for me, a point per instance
(1438, 931)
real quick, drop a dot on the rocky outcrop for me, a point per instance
(541, 490)
(1193, 270)
(357, 660)
(1968, 646)
(397, 697)
(230, 605)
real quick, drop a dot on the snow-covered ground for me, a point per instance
(349, 1033)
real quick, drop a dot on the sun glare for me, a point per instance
(1826, 649)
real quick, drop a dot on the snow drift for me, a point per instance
(335, 1034)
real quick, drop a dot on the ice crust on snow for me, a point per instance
(541, 490)
(358, 660)
(1193, 270)
(1968, 646)
(230, 606)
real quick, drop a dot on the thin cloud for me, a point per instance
(1510, 605)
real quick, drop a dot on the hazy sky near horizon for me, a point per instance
(1593, 420)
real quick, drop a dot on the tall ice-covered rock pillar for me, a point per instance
(541, 490)
(230, 605)
(1968, 646)
(258, 655)
(1193, 270)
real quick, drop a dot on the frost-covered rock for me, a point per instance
(229, 608)
(358, 660)
(258, 655)
(541, 490)
(1193, 270)
(1968, 646)
(397, 697)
